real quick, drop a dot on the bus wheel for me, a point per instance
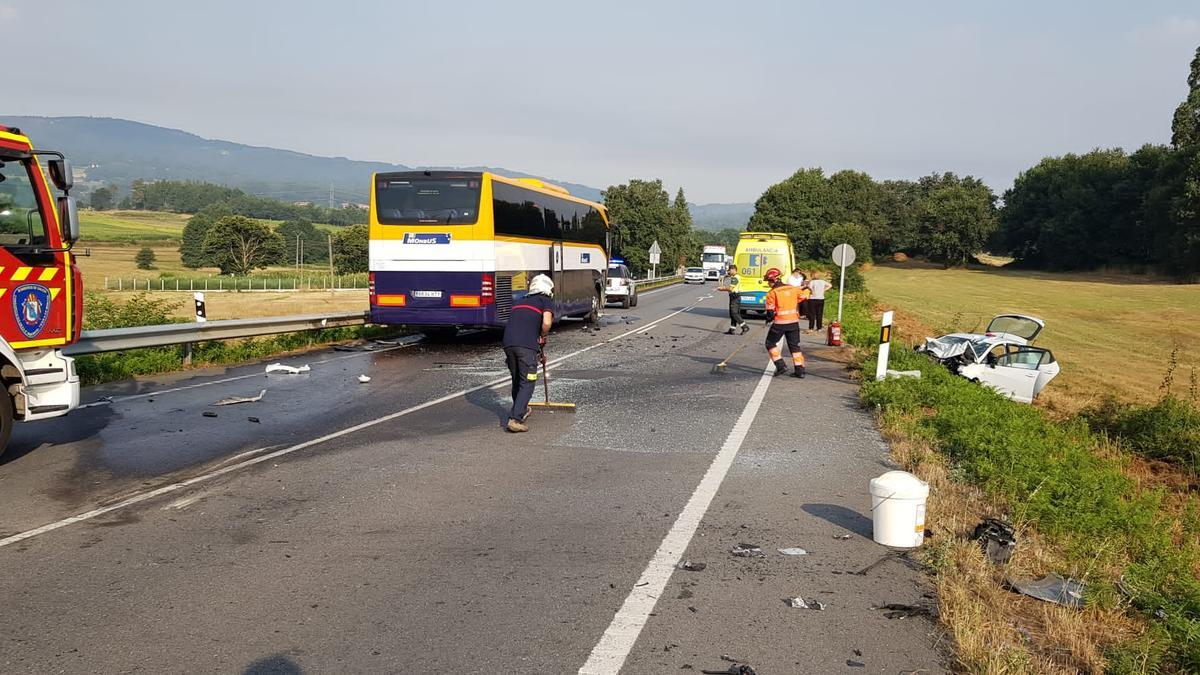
(594, 315)
(6, 422)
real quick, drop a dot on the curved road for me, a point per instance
(394, 527)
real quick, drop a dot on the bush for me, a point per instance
(145, 258)
(1168, 430)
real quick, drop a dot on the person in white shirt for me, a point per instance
(796, 278)
(816, 302)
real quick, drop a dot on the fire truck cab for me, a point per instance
(41, 291)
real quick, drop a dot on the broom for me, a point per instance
(548, 404)
(720, 367)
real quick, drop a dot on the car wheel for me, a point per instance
(633, 302)
(626, 302)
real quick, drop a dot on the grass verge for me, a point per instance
(1080, 509)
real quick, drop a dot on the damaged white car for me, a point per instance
(1003, 358)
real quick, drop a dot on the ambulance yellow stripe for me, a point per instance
(22, 273)
(48, 273)
(54, 293)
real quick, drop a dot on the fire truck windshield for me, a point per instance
(21, 222)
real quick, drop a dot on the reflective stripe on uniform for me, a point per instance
(531, 377)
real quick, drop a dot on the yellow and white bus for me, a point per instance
(456, 249)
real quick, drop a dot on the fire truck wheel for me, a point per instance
(6, 422)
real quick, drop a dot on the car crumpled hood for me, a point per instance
(947, 346)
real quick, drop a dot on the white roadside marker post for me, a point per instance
(885, 339)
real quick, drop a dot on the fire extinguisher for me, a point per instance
(834, 334)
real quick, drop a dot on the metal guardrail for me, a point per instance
(165, 335)
(120, 339)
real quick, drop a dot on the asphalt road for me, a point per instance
(394, 527)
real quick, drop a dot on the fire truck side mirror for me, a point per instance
(60, 173)
(68, 216)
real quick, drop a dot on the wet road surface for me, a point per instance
(393, 527)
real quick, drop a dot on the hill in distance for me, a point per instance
(119, 151)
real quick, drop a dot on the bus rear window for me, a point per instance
(429, 201)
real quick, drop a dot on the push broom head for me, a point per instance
(550, 405)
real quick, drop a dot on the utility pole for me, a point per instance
(329, 238)
(330, 195)
(297, 252)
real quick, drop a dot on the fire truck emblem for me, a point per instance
(31, 306)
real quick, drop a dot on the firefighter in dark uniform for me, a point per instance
(524, 336)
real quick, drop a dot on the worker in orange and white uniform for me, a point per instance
(783, 306)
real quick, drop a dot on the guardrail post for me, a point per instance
(187, 353)
(106, 283)
(120, 284)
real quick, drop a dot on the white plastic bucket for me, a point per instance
(898, 509)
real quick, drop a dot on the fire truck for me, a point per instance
(41, 291)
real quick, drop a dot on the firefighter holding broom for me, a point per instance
(783, 305)
(524, 336)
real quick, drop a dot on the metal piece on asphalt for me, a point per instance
(232, 400)
(792, 551)
(748, 551)
(290, 370)
(689, 566)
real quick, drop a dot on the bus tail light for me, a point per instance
(465, 301)
(371, 288)
(487, 289)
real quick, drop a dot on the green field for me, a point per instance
(1113, 334)
(130, 226)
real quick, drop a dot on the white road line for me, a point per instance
(614, 646)
(160, 392)
(173, 487)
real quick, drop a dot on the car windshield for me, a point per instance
(980, 346)
(618, 272)
(696, 269)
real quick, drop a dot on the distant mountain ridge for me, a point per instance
(119, 151)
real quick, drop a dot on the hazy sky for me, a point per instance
(722, 98)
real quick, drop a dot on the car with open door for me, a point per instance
(1003, 358)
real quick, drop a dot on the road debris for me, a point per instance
(232, 400)
(855, 664)
(843, 537)
(689, 566)
(254, 419)
(792, 551)
(290, 370)
(1052, 588)
(899, 374)
(801, 603)
(896, 610)
(364, 379)
(209, 413)
(748, 551)
(997, 539)
(736, 669)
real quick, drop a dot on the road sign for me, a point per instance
(655, 256)
(843, 255)
(655, 249)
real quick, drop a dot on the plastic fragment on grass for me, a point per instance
(900, 374)
(1052, 588)
(997, 539)
(232, 400)
(290, 370)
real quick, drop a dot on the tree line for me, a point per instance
(193, 196)
(218, 236)
(943, 217)
(641, 212)
(1111, 208)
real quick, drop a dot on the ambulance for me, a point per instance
(756, 253)
(41, 291)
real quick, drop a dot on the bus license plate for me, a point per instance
(427, 294)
